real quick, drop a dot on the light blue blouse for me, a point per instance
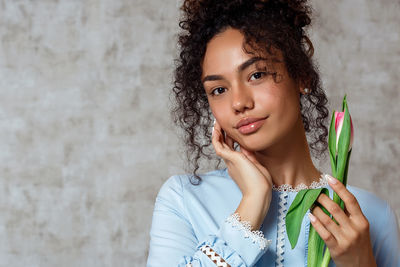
(186, 217)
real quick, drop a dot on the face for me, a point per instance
(252, 107)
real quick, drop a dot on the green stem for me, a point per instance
(327, 255)
(326, 259)
(338, 200)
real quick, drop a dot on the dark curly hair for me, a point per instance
(266, 25)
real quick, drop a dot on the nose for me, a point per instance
(242, 98)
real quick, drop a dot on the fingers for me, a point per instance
(327, 222)
(217, 139)
(335, 210)
(229, 141)
(357, 220)
(324, 233)
(348, 198)
(338, 237)
(222, 149)
(348, 226)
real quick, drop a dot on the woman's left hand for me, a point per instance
(348, 241)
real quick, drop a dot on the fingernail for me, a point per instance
(312, 217)
(332, 180)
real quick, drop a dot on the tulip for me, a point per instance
(340, 143)
(341, 132)
(339, 119)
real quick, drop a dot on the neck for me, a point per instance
(289, 160)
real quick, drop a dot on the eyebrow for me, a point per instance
(241, 68)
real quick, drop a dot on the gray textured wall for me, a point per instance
(86, 140)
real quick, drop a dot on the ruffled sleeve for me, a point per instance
(174, 243)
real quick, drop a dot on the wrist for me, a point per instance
(261, 192)
(253, 209)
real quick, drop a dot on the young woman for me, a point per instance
(248, 65)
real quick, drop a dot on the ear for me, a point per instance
(303, 89)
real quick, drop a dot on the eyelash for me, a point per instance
(263, 73)
(213, 91)
(258, 72)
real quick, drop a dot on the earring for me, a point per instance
(306, 90)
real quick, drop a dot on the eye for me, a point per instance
(256, 76)
(218, 91)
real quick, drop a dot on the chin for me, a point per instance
(255, 144)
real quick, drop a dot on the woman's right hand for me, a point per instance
(253, 179)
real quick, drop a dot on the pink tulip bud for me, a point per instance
(339, 118)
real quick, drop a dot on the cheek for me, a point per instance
(276, 95)
(268, 98)
(220, 112)
(223, 114)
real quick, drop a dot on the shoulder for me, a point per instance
(183, 183)
(369, 202)
(365, 197)
(377, 210)
(384, 227)
(214, 196)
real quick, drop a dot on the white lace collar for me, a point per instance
(323, 181)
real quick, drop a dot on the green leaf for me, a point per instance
(339, 169)
(346, 169)
(338, 200)
(315, 248)
(343, 146)
(294, 217)
(326, 259)
(344, 103)
(336, 197)
(315, 243)
(334, 171)
(332, 141)
(298, 199)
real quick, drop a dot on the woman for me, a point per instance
(248, 65)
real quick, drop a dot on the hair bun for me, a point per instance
(296, 12)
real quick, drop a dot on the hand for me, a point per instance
(348, 241)
(251, 177)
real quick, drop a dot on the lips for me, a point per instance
(250, 125)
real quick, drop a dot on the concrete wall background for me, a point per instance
(86, 139)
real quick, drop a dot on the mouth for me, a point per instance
(250, 125)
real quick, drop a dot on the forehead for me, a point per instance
(224, 49)
(228, 50)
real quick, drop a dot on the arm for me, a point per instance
(387, 246)
(173, 242)
(172, 235)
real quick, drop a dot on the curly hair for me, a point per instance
(266, 25)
